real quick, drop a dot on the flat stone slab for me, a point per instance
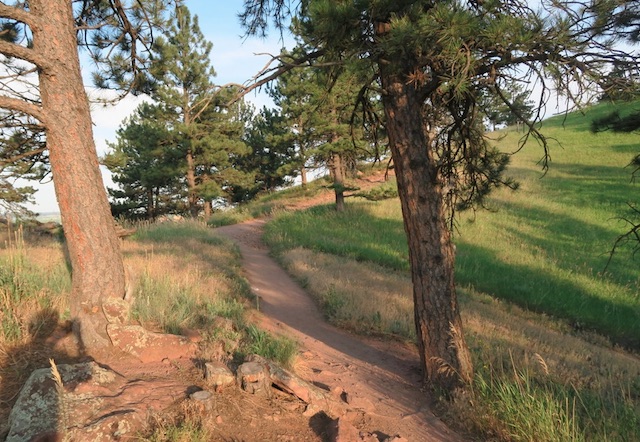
(149, 346)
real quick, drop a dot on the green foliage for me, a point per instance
(182, 153)
(207, 130)
(281, 350)
(322, 120)
(118, 38)
(147, 167)
(272, 159)
(508, 106)
(22, 156)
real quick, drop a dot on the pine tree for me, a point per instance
(146, 166)
(293, 93)
(432, 61)
(319, 108)
(207, 130)
(273, 159)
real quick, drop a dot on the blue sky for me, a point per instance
(233, 57)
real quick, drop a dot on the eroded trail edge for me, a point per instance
(381, 378)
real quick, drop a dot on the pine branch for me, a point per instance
(18, 14)
(16, 158)
(269, 73)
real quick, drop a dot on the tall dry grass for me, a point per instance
(182, 277)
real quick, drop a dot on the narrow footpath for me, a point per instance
(382, 378)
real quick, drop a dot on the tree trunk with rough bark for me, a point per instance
(94, 248)
(150, 206)
(192, 197)
(208, 209)
(337, 173)
(443, 351)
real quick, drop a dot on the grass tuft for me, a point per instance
(279, 349)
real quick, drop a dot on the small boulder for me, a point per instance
(116, 310)
(344, 431)
(89, 402)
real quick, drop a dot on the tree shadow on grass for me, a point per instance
(557, 294)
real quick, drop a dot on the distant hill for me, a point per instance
(49, 217)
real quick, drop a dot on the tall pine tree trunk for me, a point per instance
(303, 155)
(94, 249)
(336, 165)
(443, 351)
(208, 209)
(337, 173)
(150, 206)
(192, 196)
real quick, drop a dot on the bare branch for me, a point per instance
(27, 54)
(22, 106)
(268, 73)
(18, 14)
(633, 234)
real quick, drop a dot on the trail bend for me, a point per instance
(381, 377)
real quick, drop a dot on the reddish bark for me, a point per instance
(337, 173)
(443, 351)
(94, 249)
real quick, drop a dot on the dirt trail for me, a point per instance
(379, 377)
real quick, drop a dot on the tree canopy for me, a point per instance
(191, 131)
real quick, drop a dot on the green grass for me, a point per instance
(32, 280)
(360, 232)
(265, 205)
(279, 349)
(544, 246)
(533, 404)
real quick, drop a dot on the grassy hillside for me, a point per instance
(544, 246)
(541, 249)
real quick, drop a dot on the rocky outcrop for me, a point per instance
(92, 402)
(87, 402)
(316, 398)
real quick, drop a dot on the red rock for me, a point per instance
(148, 346)
(344, 432)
